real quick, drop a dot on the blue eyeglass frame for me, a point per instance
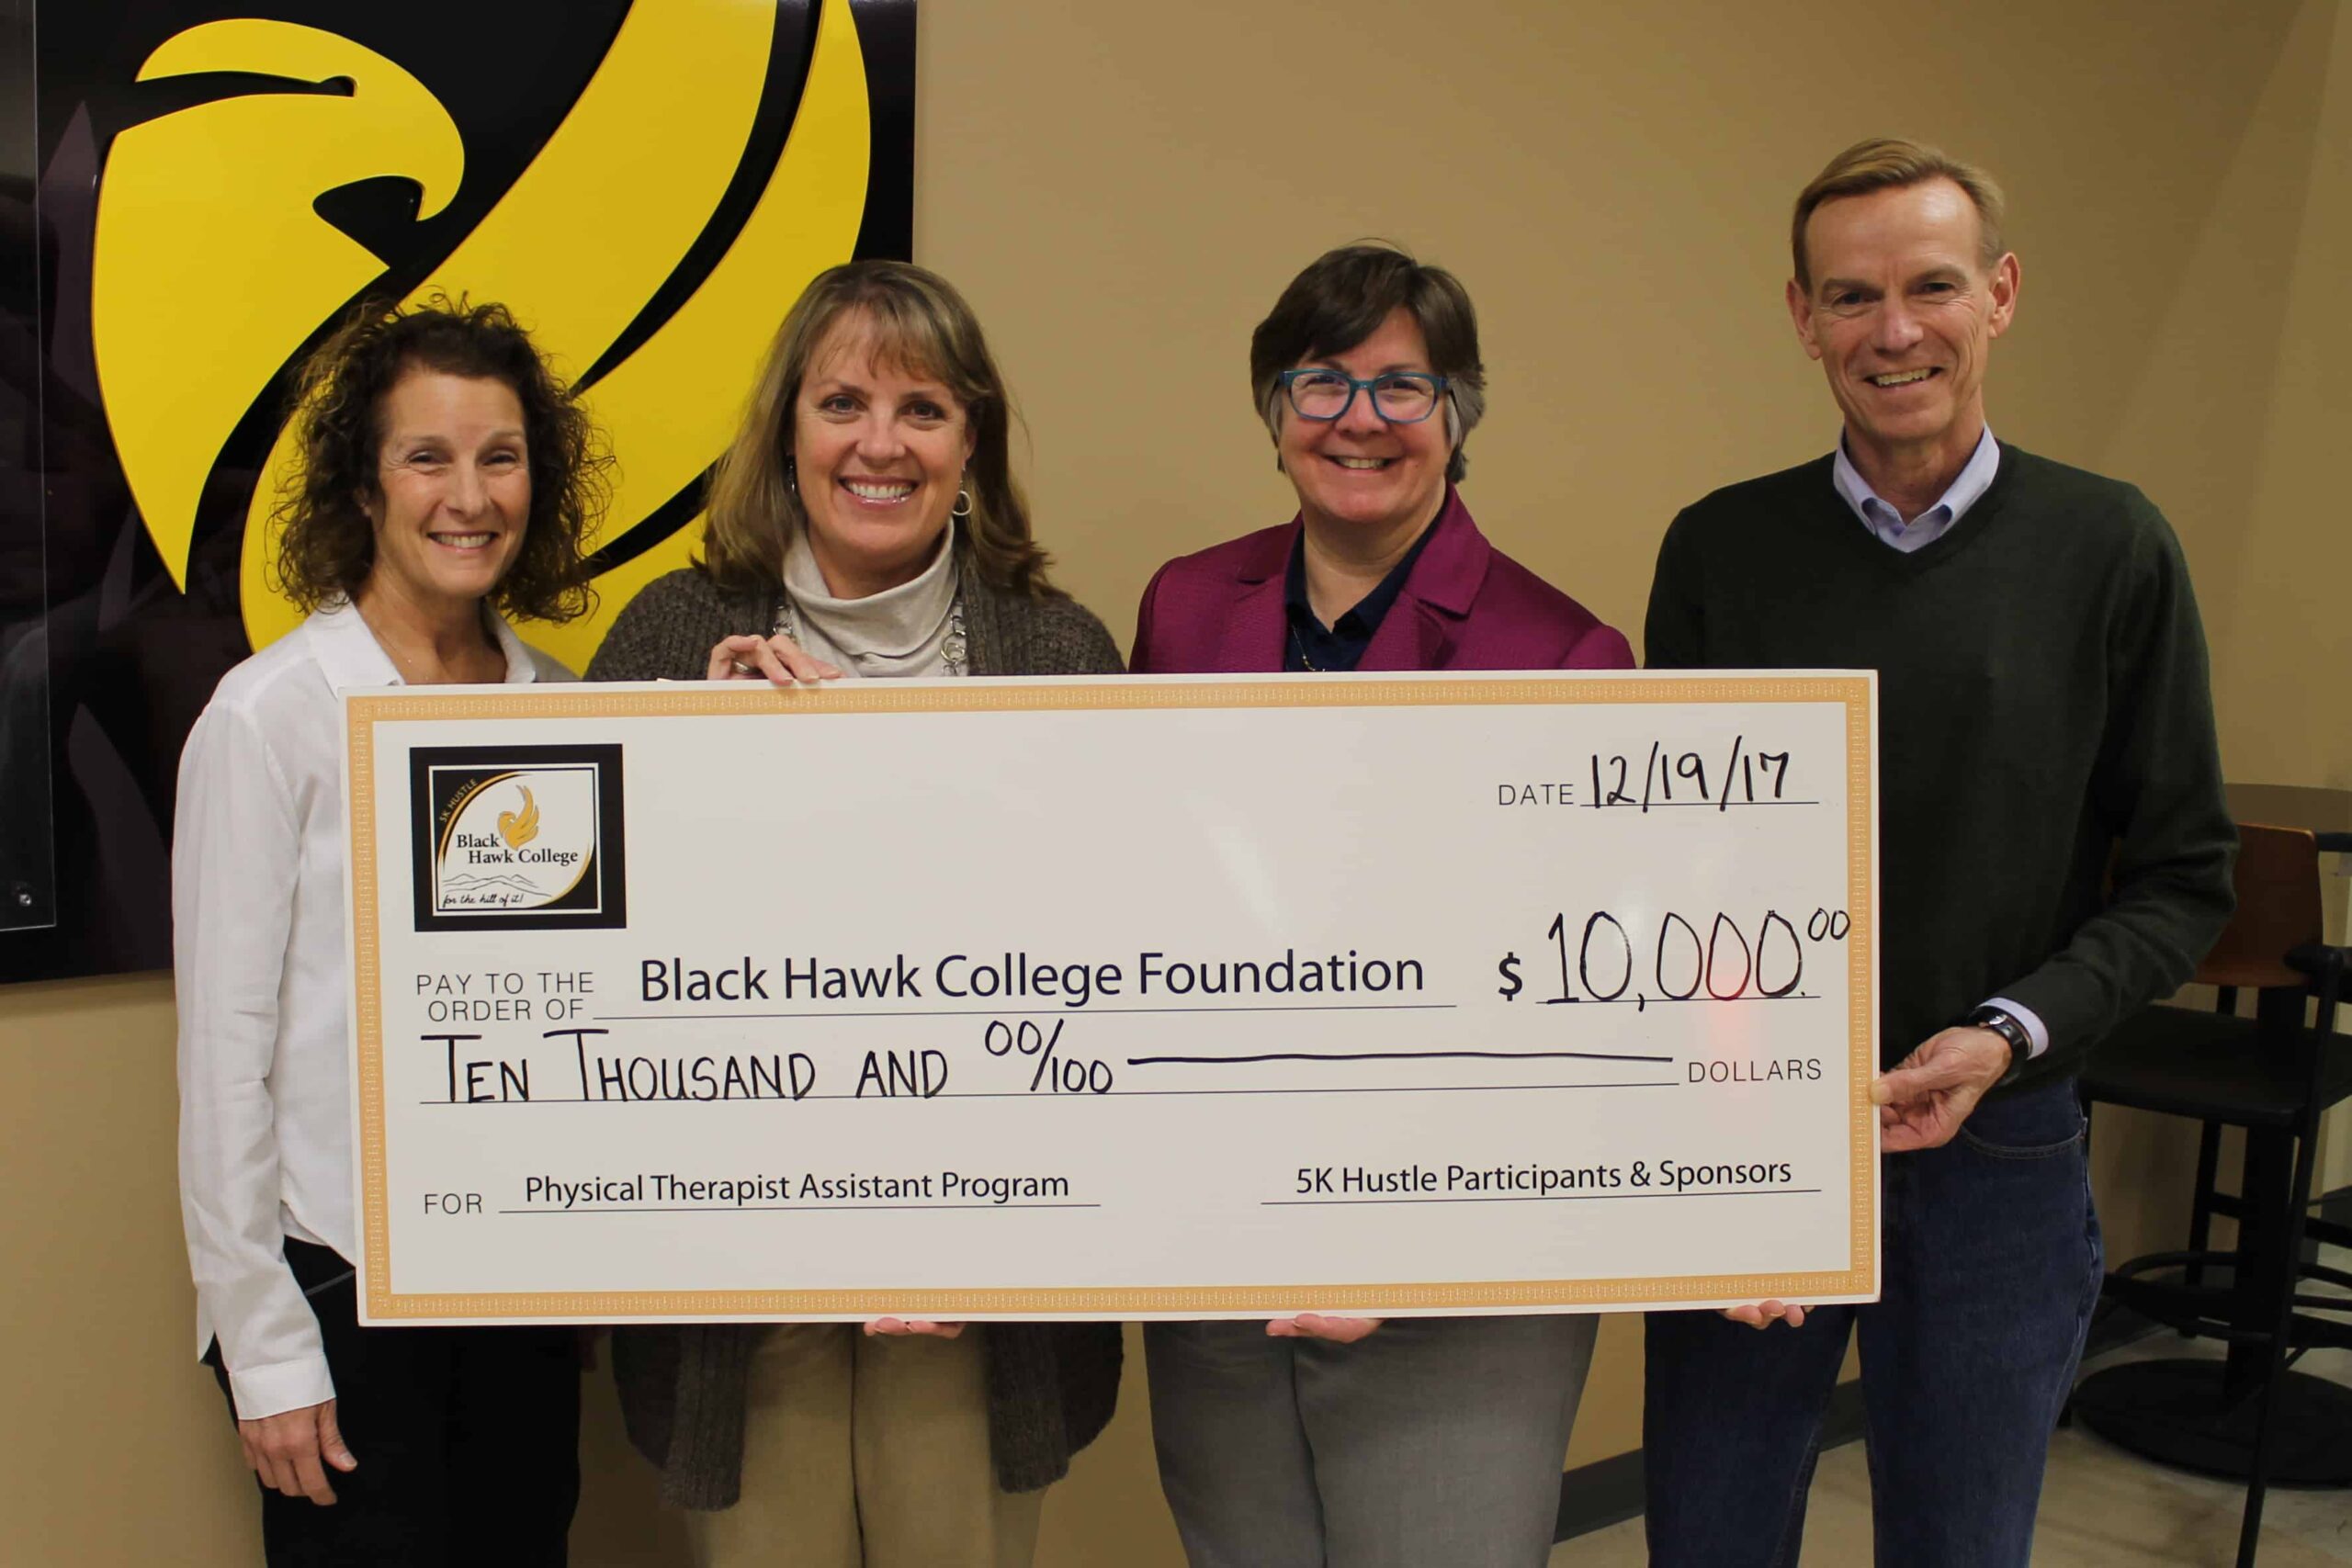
(1438, 388)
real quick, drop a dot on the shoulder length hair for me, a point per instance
(920, 323)
(325, 544)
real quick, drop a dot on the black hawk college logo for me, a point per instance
(523, 836)
(650, 233)
(200, 190)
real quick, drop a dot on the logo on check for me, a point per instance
(528, 837)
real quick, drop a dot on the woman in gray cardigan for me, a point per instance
(865, 524)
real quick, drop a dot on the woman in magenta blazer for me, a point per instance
(1318, 1439)
(1367, 373)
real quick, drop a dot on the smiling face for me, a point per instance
(1359, 473)
(453, 491)
(878, 451)
(1902, 315)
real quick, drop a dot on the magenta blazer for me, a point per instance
(1466, 605)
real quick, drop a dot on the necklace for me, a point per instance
(1299, 643)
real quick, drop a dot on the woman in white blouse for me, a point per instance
(446, 476)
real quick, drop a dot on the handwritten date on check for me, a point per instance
(1115, 997)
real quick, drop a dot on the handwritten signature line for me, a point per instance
(1397, 1056)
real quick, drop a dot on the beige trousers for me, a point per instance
(867, 1452)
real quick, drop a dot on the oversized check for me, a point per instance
(1113, 997)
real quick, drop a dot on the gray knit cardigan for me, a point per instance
(1051, 1385)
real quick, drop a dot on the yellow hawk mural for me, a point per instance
(647, 185)
(213, 204)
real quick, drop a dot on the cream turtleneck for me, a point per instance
(902, 631)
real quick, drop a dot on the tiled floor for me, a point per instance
(2101, 1507)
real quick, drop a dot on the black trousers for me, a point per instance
(467, 1441)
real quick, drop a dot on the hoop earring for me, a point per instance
(963, 507)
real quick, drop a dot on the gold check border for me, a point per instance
(1854, 692)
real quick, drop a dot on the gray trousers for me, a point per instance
(1436, 1442)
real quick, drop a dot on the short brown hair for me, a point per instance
(920, 325)
(326, 545)
(1341, 299)
(1884, 162)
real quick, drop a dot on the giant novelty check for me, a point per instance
(1115, 997)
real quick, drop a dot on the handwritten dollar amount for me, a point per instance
(1727, 963)
(1055, 1073)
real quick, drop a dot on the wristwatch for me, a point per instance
(2010, 1030)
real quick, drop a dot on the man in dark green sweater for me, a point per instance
(2045, 719)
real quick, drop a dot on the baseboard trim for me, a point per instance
(1594, 1496)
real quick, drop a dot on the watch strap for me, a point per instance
(2007, 1026)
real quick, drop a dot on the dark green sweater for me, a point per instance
(2044, 702)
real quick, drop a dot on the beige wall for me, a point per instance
(1123, 190)
(1122, 197)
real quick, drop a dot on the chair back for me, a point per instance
(2279, 909)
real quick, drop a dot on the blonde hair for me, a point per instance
(920, 323)
(1884, 162)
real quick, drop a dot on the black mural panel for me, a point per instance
(192, 193)
(28, 882)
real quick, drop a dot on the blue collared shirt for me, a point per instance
(1340, 646)
(1889, 526)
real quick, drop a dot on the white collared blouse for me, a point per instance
(260, 962)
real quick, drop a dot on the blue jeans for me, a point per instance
(1991, 1267)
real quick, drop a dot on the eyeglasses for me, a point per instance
(1401, 397)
